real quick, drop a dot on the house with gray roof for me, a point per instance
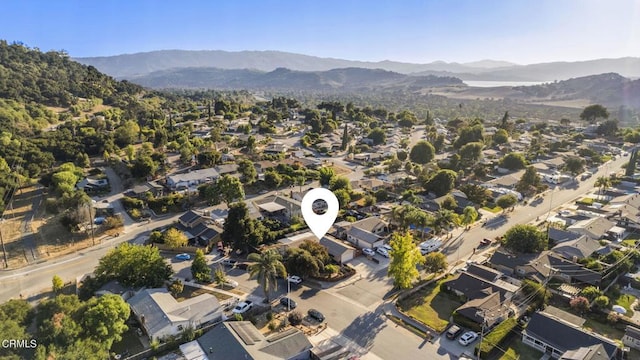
(161, 315)
(340, 251)
(280, 206)
(242, 340)
(631, 337)
(561, 339)
(595, 228)
(577, 249)
(363, 238)
(191, 179)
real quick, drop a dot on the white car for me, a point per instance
(467, 338)
(386, 247)
(382, 251)
(368, 252)
(230, 283)
(294, 279)
(243, 307)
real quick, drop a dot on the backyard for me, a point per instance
(519, 351)
(431, 306)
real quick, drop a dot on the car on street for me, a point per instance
(183, 256)
(467, 338)
(295, 279)
(229, 262)
(485, 242)
(386, 247)
(453, 332)
(368, 252)
(243, 307)
(382, 251)
(315, 314)
(288, 303)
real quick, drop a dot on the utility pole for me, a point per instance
(4, 251)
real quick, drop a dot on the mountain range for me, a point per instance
(128, 66)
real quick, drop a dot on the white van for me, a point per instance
(430, 245)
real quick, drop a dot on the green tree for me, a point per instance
(574, 165)
(479, 195)
(602, 301)
(602, 183)
(608, 128)
(469, 134)
(441, 183)
(435, 262)
(239, 229)
(343, 198)
(345, 138)
(469, 215)
(525, 239)
(591, 292)
(134, 266)
(378, 136)
(200, 271)
(219, 276)
(501, 137)
(144, 166)
(340, 182)
(506, 201)
(247, 171)
(127, 133)
(267, 267)
(404, 257)
(530, 180)
(422, 152)
(513, 161)
(537, 292)
(176, 287)
(470, 153)
(594, 112)
(317, 251)
(105, 318)
(230, 189)
(631, 166)
(272, 179)
(300, 262)
(326, 175)
(175, 238)
(58, 283)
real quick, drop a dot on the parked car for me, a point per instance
(288, 303)
(386, 247)
(294, 279)
(382, 251)
(368, 252)
(229, 262)
(183, 257)
(453, 332)
(230, 283)
(467, 338)
(315, 314)
(485, 242)
(243, 307)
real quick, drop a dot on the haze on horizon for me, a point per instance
(414, 31)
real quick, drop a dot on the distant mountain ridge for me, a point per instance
(139, 64)
(347, 79)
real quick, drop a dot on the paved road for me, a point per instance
(463, 242)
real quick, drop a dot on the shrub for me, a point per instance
(295, 318)
(237, 317)
(269, 316)
(602, 301)
(579, 303)
(272, 325)
(331, 269)
(493, 338)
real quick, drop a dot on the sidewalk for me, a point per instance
(329, 338)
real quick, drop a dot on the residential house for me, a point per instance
(473, 287)
(631, 337)
(363, 238)
(372, 224)
(227, 169)
(577, 249)
(92, 185)
(557, 236)
(275, 149)
(371, 185)
(489, 310)
(242, 340)
(554, 334)
(191, 179)
(191, 219)
(340, 251)
(595, 228)
(161, 315)
(140, 191)
(199, 229)
(294, 240)
(262, 166)
(280, 207)
(508, 181)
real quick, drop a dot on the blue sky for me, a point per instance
(411, 31)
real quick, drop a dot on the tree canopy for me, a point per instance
(525, 239)
(513, 161)
(594, 112)
(422, 152)
(404, 257)
(267, 267)
(442, 182)
(135, 266)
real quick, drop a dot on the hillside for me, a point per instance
(139, 64)
(348, 79)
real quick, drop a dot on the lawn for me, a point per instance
(600, 326)
(431, 306)
(586, 201)
(519, 351)
(494, 210)
(626, 300)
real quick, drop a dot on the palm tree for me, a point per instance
(602, 182)
(445, 218)
(268, 266)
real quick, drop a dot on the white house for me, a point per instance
(161, 315)
(192, 178)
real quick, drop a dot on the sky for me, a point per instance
(414, 31)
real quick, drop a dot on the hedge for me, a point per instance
(493, 338)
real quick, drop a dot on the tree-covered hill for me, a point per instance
(52, 78)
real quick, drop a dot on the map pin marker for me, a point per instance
(319, 224)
